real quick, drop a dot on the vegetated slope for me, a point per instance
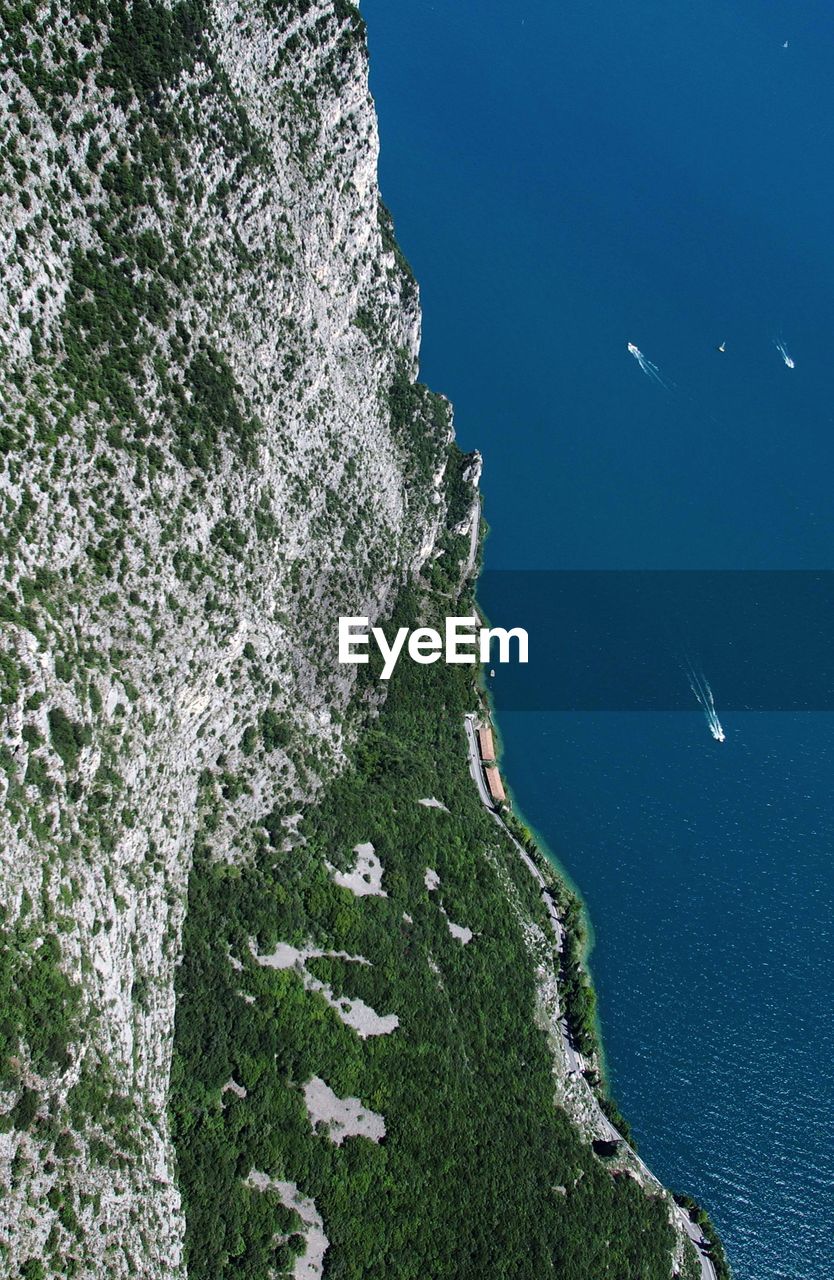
(480, 1174)
(212, 444)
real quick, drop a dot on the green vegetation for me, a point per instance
(9, 679)
(479, 1174)
(33, 1269)
(67, 737)
(444, 572)
(716, 1249)
(38, 1003)
(419, 424)
(275, 732)
(212, 418)
(150, 45)
(578, 996)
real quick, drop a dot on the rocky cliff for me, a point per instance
(268, 1005)
(211, 446)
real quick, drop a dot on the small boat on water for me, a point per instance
(722, 348)
(634, 351)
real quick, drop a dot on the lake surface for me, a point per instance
(564, 180)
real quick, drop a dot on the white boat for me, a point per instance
(634, 351)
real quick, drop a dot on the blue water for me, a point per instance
(566, 179)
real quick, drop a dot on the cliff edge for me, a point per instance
(266, 1010)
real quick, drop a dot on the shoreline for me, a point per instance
(534, 847)
(540, 844)
(693, 1221)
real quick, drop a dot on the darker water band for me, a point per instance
(631, 640)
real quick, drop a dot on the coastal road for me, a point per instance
(477, 773)
(575, 1063)
(700, 1242)
(474, 539)
(475, 765)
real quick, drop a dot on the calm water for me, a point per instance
(566, 179)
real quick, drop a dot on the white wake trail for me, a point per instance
(649, 368)
(701, 688)
(780, 347)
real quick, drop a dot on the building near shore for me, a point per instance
(485, 743)
(496, 786)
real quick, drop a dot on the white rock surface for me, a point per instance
(342, 1117)
(310, 1264)
(355, 1013)
(459, 931)
(365, 879)
(232, 1086)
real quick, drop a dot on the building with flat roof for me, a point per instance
(485, 743)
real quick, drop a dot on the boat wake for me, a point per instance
(651, 370)
(780, 347)
(700, 687)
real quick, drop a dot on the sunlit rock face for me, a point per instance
(212, 441)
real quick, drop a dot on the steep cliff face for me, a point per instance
(277, 994)
(211, 446)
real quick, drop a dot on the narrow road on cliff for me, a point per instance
(475, 765)
(474, 539)
(573, 1059)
